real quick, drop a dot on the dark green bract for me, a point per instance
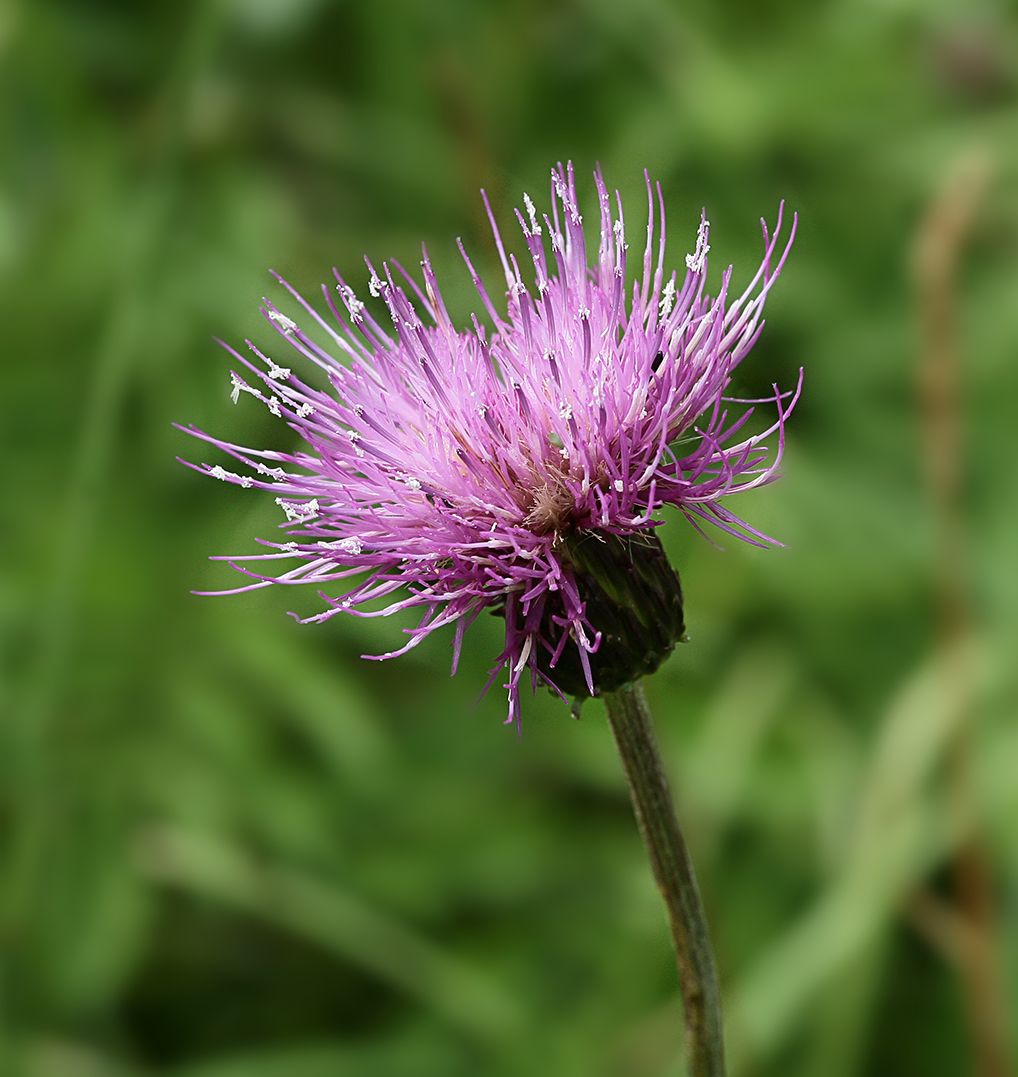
(633, 598)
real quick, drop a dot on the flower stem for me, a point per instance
(673, 871)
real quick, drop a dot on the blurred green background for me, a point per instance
(232, 848)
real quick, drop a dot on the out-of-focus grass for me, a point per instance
(230, 847)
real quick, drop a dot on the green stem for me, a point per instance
(673, 871)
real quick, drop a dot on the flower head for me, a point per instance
(517, 469)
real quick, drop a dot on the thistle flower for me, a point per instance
(517, 470)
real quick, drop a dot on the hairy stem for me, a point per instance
(673, 871)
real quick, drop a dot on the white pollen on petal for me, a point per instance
(218, 472)
(354, 305)
(290, 547)
(288, 325)
(297, 512)
(619, 485)
(246, 482)
(272, 472)
(273, 405)
(532, 214)
(239, 386)
(375, 285)
(278, 373)
(667, 299)
(305, 410)
(566, 411)
(696, 261)
(413, 484)
(351, 545)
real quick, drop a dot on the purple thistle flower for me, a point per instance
(514, 470)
